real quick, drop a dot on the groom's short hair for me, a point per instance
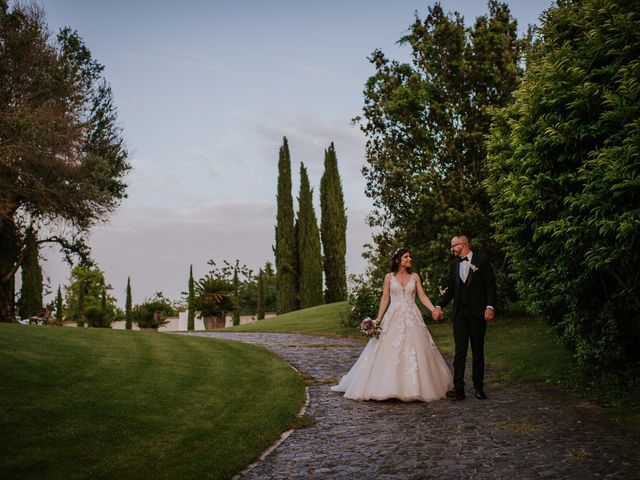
(463, 239)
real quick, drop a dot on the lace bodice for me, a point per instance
(398, 293)
(402, 311)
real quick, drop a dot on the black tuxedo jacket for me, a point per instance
(476, 293)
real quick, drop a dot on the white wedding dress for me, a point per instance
(403, 362)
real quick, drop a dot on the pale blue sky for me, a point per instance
(205, 92)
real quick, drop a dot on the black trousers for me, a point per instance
(467, 329)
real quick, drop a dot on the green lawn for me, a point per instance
(321, 320)
(91, 403)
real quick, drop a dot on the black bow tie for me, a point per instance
(464, 259)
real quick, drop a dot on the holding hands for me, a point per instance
(436, 314)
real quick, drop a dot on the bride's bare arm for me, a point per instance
(421, 295)
(384, 301)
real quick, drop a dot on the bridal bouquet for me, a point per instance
(370, 328)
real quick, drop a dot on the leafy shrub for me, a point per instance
(564, 164)
(364, 298)
(97, 318)
(153, 313)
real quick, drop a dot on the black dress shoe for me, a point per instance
(455, 395)
(480, 394)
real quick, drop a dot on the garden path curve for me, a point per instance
(526, 431)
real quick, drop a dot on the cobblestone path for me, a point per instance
(521, 431)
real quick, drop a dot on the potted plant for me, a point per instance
(213, 299)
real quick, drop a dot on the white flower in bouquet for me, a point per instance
(370, 328)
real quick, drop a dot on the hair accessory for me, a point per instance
(396, 251)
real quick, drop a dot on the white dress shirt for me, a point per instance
(464, 266)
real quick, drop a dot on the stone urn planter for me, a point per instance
(212, 321)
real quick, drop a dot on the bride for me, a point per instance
(403, 362)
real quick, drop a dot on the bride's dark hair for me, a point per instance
(395, 259)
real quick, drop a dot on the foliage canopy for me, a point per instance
(564, 170)
(62, 155)
(425, 123)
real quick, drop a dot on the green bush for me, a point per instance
(97, 318)
(152, 313)
(364, 299)
(564, 169)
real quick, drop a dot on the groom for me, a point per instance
(473, 291)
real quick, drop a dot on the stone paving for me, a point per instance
(523, 431)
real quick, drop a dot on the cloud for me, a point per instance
(327, 75)
(312, 133)
(186, 60)
(309, 136)
(196, 61)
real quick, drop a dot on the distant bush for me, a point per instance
(97, 318)
(154, 312)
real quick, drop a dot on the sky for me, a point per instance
(205, 92)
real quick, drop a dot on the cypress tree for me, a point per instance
(333, 228)
(270, 288)
(127, 306)
(190, 302)
(296, 265)
(309, 254)
(285, 236)
(59, 306)
(236, 294)
(261, 297)
(30, 303)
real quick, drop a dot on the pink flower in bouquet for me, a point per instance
(370, 328)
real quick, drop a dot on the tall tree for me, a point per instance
(333, 229)
(190, 302)
(270, 287)
(128, 306)
(235, 282)
(59, 307)
(84, 291)
(309, 254)
(62, 156)
(285, 236)
(30, 303)
(425, 123)
(261, 297)
(565, 165)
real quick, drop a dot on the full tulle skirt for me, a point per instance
(403, 363)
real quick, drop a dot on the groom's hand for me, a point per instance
(488, 314)
(436, 314)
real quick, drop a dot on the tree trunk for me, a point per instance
(9, 253)
(6, 302)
